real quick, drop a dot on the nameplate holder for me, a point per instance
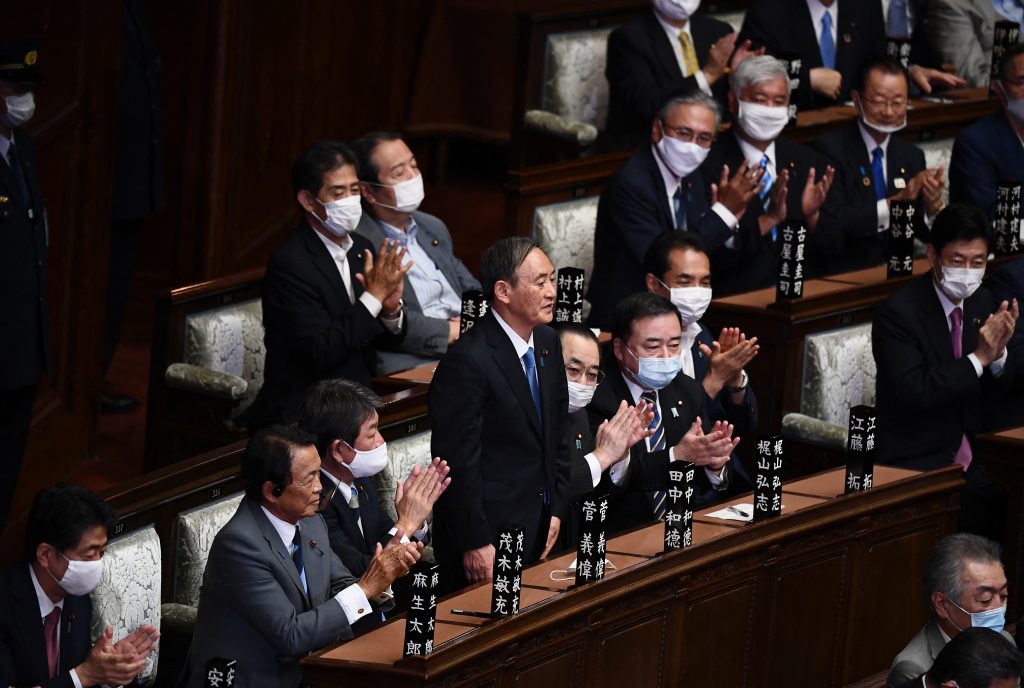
(220, 673)
(591, 548)
(569, 296)
(860, 449)
(897, 49)
(474, 307)
(768, 479)
(902, 216)
(1004, 35)
(793, 63)
(792, 245)
(1006, 226)
(422, 615)
(679, 505)
(509, 550)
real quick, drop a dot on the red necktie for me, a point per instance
(963, 454)
(51, 626)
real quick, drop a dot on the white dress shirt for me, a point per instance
(372, 304)
(46, 605)
(882, 206)
(677, 49)
(690, 333)
(817, 12)
(352, 599)
(947, 307)
(672, 184)
(520, 344)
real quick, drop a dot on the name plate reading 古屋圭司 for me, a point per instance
(790, 284)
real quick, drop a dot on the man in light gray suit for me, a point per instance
(273, 590)
(961, 31)
(392, 189)
(964, 586)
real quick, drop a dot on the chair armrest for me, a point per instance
(814, 431)
(580, 133)
(190, 378)
(179, 618)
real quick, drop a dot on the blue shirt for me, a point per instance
(437, 298)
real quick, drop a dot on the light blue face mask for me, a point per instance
(656, 373)
(993, 618)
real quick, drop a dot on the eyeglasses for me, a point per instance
(575, 373)
(687, 135)
(894, 105)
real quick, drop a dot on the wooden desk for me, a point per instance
(824, 595)
(1002, 456)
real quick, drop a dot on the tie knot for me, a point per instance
(957, 316)
(826, 20)
(877, 153)
(528, 360)
(764, 162)
(53, 617)
(650, 396)
(297, 538)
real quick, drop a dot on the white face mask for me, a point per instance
(682, 157)
(81, 578)
(882, 128)
(19, 109)
(579, 395)
(368, 463)
(961, 283)
(676, 10)
(1015, 106)
(691, 302)
(762, 122)
(342, 215)
(408, 195)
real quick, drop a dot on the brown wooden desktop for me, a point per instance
(824, 595)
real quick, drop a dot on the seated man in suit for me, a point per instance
(664, 51)
(392, 190)
(44, 632)
(661, 188)
(643, 364)
(592, 454)
(940, 349)
(976, 657)
(964, 586)
(328, 303)
(794, 185)
(343, 416)
(273, 591)
(989, 151)
(875, 168)
(962, 33)
(678, 269)
(498, 408)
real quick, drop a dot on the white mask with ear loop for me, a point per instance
(569, 574)
(368, 463)
(81, 577)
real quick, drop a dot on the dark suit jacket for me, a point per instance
(25, 346)
(633, 210)
(22, 645)
(502, 456)
(580, 440)
(743, 416)
(313, 331)
(754, 262)
(863, 245)
(984, 154)
(1007, 282)
(643, 73)
(426, 339)
(252, 607)
(785, 27)
(926, 399)
(353, 546)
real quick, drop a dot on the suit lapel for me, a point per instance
(504, 355)
(313, 561)
(368, 511)
(663, 50)
(26, 608)
(658, 184)
(807, 37)
(279, 550)
(346, 514)
(675, 413)
(325, 263)
(935, 322)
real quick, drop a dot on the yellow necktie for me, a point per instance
(689, 56)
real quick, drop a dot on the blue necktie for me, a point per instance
(679, 207)
(297, 558)
(878, 173)
(826, 44)
(899, 22)
(19, 176)
(531, 376)
(656, 442)
(764, 193)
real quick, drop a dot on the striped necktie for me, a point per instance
(656, 442)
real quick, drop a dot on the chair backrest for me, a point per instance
(196, 530)
(129, 591)
(229, 339)
(574, 84)
(839, 372)
(403, 454)
(939, 153)
(733, 19)
(565, 232)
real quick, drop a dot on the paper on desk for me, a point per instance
(736, 512)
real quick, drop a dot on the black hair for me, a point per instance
(884, 65)
(1011, 52)
(501, 261)
(975, 658)
(567, 328)
(322, 157)
(656, 259)
(61, 514)
(364, 147)
(959, 222)
(637, 306)
(268, 456)
(334, 410)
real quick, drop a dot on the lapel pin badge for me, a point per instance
(847, 38)
(434, 242)
(312, 543)
(866, 181)
(899, 183)
(675, 413)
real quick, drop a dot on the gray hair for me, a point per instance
(691, 98)
(757, 70)
(944, 568)
(501, 260)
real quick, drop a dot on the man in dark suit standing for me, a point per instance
(644, 366)
(343, 416)
(874, 168)
(392, 190)
(25, 347)
(940, 348)
(328, 304)
(794, 185)
(661, 188)
(833, 40)
(666, 50)
(273, 591)
(989, 151)
(498, 407)
(44, 630)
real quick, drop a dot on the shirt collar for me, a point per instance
(5, 146)
(947, 305)
(754, 155)
(635, 390)
(818, 11)
(667, 175)
(285, 530)
(337, 252)
(520, 345)
(46, 605)
(396, 234)
(690, 333)
(673, 32)
(869, 140)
